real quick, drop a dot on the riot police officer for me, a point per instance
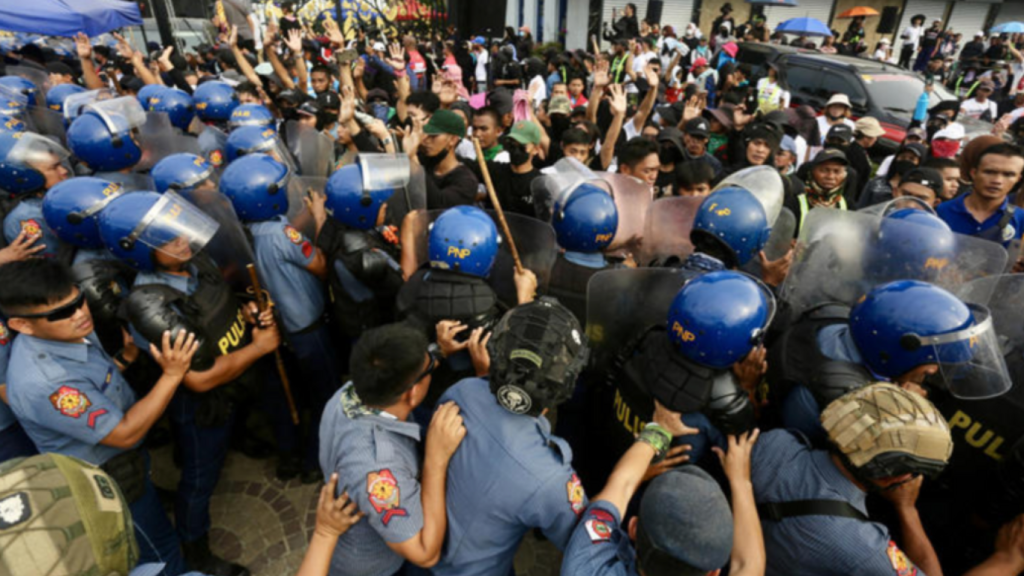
(161, 236)
(251, 115)
(71, 398)
(105, 139)
(177, 104)
(292, 269)
(71, 210)
(215, 101)
(56, 96)
(29, 166)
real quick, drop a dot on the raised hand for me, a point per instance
(83, 46)
(618, 99)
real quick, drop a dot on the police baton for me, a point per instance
(261, 302)
(497, 205)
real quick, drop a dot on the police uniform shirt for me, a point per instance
(960, 220)
(784, 469)
(599, 545)
(283, 254)
(377, 460)
(67, 396)
(509, 474)
(6, 415)
(27, 217)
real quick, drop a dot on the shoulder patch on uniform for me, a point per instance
(5, 334)
(574, 488)
(599, 514)
(385, 495)
(70, 401)
(296, 238)
(900, 563)
(94, 416)
(216, 158)
(31, 227)
(14, 510)
(598, 530)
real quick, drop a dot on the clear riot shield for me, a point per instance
(632, 199)
(313, 150)
(387, 169)
(764, 182)
(298, 214)
(841, 255)
(211, 146)
(159, 139)
(535, 241)
(624, 302)
(779, 242)
(229, 247)
(37, 76)
(667, 228)
(567, 175)
(1004, 297)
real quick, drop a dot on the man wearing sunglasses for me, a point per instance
(71, 398)
(368, 439)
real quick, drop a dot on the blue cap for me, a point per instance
(479, 40)
(684, 523)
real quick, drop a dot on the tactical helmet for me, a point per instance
(21, 154)
(55, 96)
(215, 101)
(537, 352)
(884, 431)
(251, 115)
(257, 187)
(72, 209)
(12, 124)
(717, 318)
(733, 218)
(913, 244)
(181, 172)
(464, 239)
(350, 202)
(905, 324)
(146, 92)
(61, 515)
(103, 135)
(585, 219)
(22, 86)
(177, 104)
(250, 140)
(133, 225)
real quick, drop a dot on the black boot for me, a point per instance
(200, 559)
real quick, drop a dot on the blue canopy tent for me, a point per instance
(68, 17)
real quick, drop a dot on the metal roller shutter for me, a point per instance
(932, 10)
(677, 14)
(819, 9)
(1010, 11)
(967, 18)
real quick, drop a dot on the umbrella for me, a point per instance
(858, 11)
(784, 3)
(1008, 28)
(804, 27)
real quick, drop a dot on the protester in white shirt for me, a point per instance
(980, 107)
(911, 36)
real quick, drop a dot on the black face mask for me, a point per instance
(668, 154)
(289, 113)
(517, 154)
(430, 162)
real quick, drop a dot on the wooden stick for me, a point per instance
(497, 205)
(262, 303)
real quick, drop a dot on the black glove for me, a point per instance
(105, 283)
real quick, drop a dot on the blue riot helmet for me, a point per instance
(135, 226)
(177, 104)
(22, 85)
(13, 102)
(732, 225)
(913, 244)
(55, 96)
(257, 187)
(182, 172)
(251, 115)
(30, 163)
(12, 124)
(147, 92)
(256, 139)
(103, 135)
(215, 101)
(72, 209)
(903, 325)
(464, 239)
(349, 200)
(585, 219)
(717, 318)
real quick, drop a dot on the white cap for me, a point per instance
(839, 99)
(954, 131)
(885, 41)
(979, 33)
(379, 47)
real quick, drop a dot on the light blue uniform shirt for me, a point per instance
(510, 474)
(67, 396)
(6, 335)
(377, 460)
(28, 216)
(599, 545)
(282, 255)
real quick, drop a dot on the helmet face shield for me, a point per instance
(971, 364)
(384, 171)
(74, 103)
(174, 227)
(120, 114)
(39, 152)
(764, 183)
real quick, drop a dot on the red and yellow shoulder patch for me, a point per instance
(385, 495)
(5, 334)
(31, 227)
(574, 489)
(70, 402)
(900, 563)
(296, 238)
(217, 158)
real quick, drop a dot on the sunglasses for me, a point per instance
(60, 313)
(431, 367)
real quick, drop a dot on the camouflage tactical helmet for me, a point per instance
(884, 431)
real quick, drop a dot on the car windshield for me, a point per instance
(898, 93)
